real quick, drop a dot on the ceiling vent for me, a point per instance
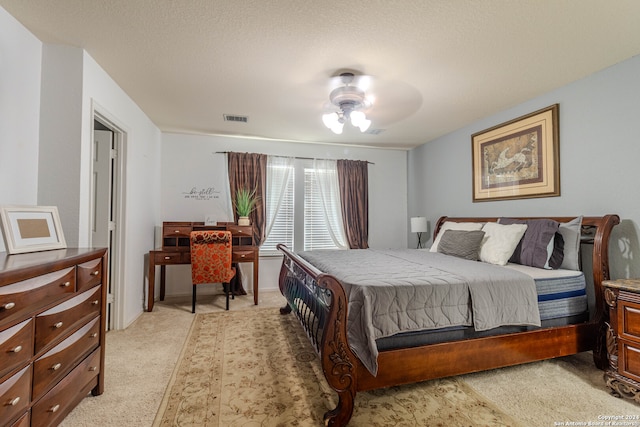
(235, 118)
(375, 131)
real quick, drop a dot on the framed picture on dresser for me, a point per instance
(31, 228)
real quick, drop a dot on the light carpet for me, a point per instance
(257, 368)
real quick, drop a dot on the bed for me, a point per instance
(358, 355)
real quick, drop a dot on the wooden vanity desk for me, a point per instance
(175, 250)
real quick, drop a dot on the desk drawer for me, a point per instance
(170, 258)
(30, 294)
(57, 362)
(16, 346)
(241, 255)
(55, 322)
(240, 230)
(14, 394)
(175, 230)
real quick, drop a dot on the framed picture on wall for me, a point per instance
(31, 228)
(518, 159)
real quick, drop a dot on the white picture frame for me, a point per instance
(31, 229)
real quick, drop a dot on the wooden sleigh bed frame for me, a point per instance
(320, 303)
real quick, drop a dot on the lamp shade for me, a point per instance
(418, 224)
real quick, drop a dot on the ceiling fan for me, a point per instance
(351, 99)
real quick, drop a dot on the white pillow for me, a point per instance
(500, 241)
(450, 225)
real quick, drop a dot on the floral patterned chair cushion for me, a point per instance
(211, 260)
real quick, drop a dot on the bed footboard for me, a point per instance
(320, 304)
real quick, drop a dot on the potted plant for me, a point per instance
(245, 203)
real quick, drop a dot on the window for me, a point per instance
(303, 206)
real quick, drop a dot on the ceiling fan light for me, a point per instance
(364, 125)
(330, 119)
(357, 117)
(337, 128)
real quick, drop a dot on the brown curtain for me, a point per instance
(249, 170)
(353, 180)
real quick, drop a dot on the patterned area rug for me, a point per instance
(257, 368)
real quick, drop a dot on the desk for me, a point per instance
(176, 250)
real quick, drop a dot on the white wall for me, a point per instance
(599, 119)
(20, 59)
(141, 181)
(59, 177)
(48, 96)
(74, 85)
(190, 162)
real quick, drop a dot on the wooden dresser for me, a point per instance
(52, 333)
(623, 337)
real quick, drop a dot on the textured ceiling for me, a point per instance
(437, 65)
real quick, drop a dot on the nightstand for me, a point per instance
(622, 375)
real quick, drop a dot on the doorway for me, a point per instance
(106, 207)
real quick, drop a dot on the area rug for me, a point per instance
(257, 368)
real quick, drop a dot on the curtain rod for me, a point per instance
(295, 157)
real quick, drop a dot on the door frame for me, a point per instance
(116, 253)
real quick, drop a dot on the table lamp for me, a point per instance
(419, 225)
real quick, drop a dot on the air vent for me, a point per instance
(375, 131)
(235, 118)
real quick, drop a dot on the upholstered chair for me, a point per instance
(211, 261)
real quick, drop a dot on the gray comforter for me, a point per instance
(401, 290)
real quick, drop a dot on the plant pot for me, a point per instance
(244, 220)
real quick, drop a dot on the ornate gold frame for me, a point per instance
(518, 159)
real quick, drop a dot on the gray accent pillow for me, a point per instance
(461, 244)
(536, 248)
(571, 234)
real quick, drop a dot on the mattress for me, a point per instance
(562, 300)
(561, 293)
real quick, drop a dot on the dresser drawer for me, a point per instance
(629, 362)
(14, 394)
(30, 294)
(24, 421)
(58, 361)
(629, 320)
(16, 346)
(58, 402)
(55, 322)
(89, 274)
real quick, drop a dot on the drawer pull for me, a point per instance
(93, 368)
(53, 408)
(95, 302)
(167, 257)
(9, 305)
(16, 349)
(93, 335)
(58, 325)
(65, 284)
(242, 256)
(56, 366)
(177, 231)
(95, 273)
(13, 402)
